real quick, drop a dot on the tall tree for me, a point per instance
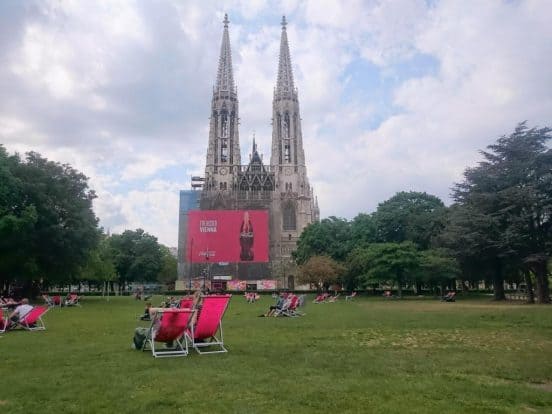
(329, 237)
(512, 188)
(409, 216)
(137, 256)
(47, 225)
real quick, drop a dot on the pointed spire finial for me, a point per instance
(225, 76)
(284, 84)
(254, 143)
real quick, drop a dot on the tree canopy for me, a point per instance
(47, 225)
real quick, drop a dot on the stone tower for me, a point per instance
(294, 206)
(223, 152)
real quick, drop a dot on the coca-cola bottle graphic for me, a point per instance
(246, 238)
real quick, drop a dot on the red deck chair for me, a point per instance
(186, 303)
(72, 300)
(57, 300)
(32, 321)
(291, 310)
(170, 328)
(209, 323)
(3, 322)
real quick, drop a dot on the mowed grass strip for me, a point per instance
(369, 355)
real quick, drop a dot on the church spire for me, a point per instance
(223, 151)
(225, 76)
(284, 85)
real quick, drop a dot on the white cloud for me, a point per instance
(121, 90)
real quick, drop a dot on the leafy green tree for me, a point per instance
(137, 256)
(47, 225)
(438, 267)
(409, 216)
(320, 271)
(510, 192)
(100, 266)
(364, 230)
(168, 272)
(385, 262)
(329, 237)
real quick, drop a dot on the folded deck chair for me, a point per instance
(168, 325)
(32, 321)
(203, 335)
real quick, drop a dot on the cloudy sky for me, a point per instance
(395, 94)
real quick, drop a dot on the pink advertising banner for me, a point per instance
(227, 236)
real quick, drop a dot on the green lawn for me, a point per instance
(371, 355)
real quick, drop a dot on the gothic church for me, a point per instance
(282, 187)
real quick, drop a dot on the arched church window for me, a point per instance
(289, 220)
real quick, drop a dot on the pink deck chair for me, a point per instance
(32, 321)
(57, 300)
(170, 328)
(186, 303)
(72, 300)
(209, 323)
(3, 322)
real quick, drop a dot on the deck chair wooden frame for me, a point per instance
(168, 325)
(32, 321)
(206, 337)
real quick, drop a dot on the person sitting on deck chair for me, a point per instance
(275, 308)
(146, 316)
(450, 297)
(19, 313)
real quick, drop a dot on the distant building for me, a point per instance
(282, 187)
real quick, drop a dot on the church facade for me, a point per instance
(280, 187)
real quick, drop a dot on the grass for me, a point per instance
(371, 355)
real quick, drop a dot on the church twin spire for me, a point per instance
(284, 85)
(225, 75)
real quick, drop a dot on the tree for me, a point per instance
(396, 262)
(137, 256)
(168, 272)
(320, 271)
(329, 237)
(438, 266)
(100, 266)
(47, 225)
(412, 216)
(511, 189)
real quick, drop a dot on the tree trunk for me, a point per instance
(529, 285)
(541, 276)
(399, 286)
(498, 282)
